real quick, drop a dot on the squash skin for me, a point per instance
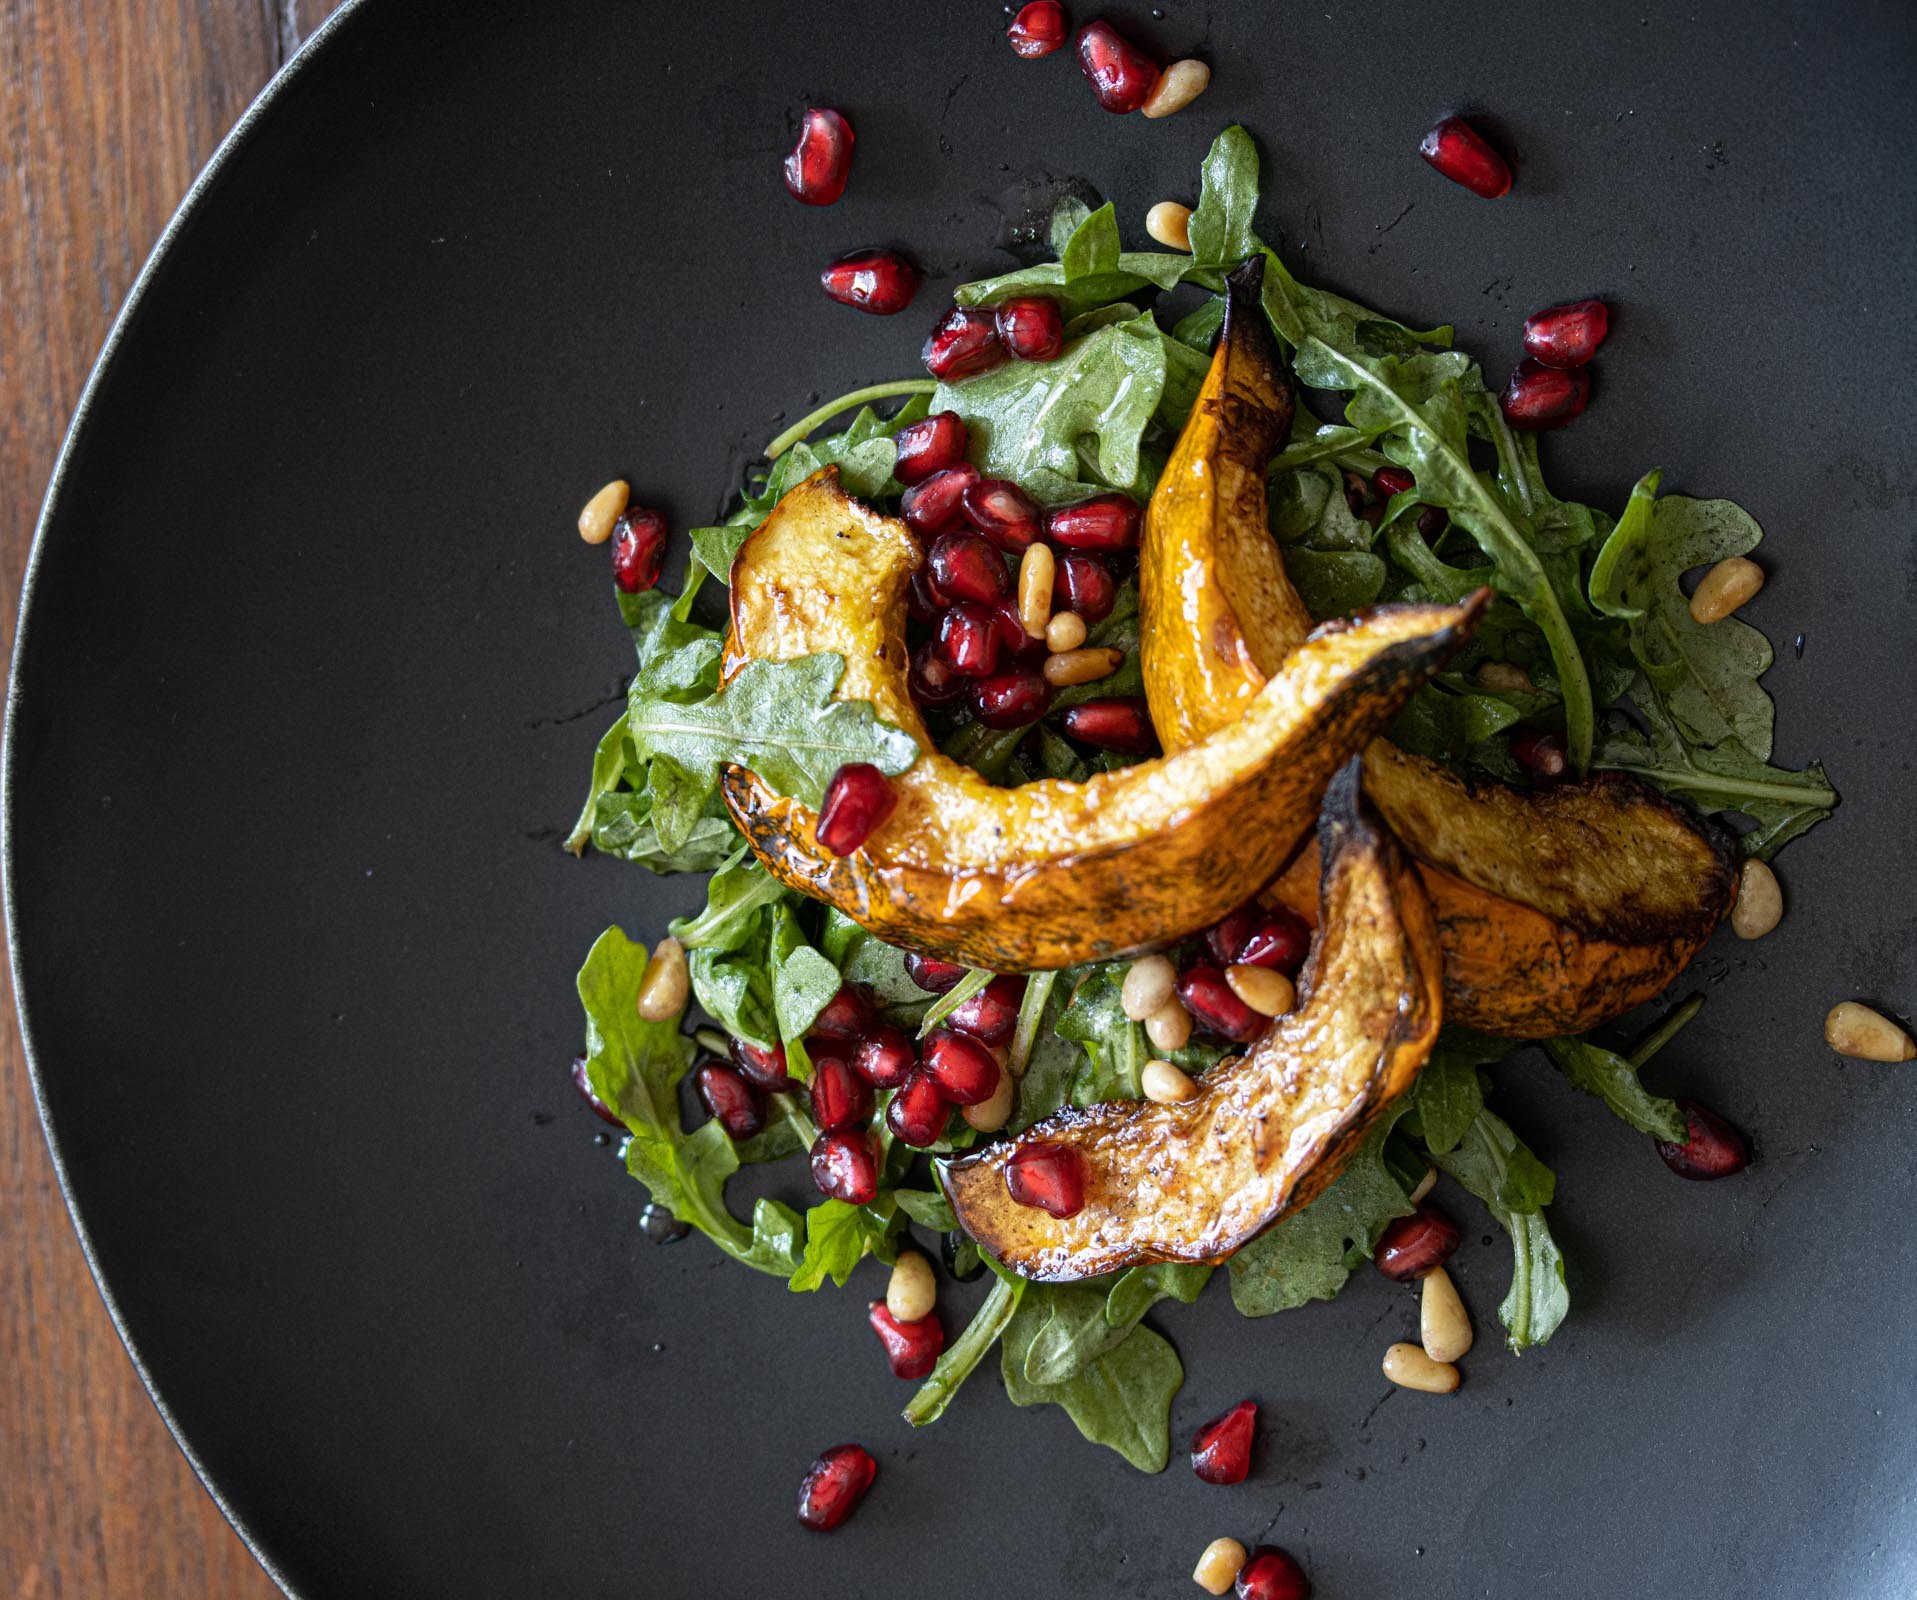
(1268, 1130)
(1051, 874)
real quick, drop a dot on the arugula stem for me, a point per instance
(845, 402)
(1509, 465)
(1805, 794)
(953, 998)
(1665, 1031)
(965, 1353)
(1031, 1012)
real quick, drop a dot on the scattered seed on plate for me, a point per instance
(1218, 1567)
(602, 511)
(1856, 1030)
(1444, 1326)
(1760, 901)
(1410, 1368)
(1170, 224)
(1180, 84)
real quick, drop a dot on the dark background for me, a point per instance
(313, 665)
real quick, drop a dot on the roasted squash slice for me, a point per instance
(1557, 908)
(1053, 873)
(1268, 1129)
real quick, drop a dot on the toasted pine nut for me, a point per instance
(1081, 666)
(1170, 224)
(1178, 85)
(1266, 990)
(1169, 1027)
(1219, 1566)
(1425, 1185)
(1066, 631)
(911, 1291)
(1036, 569)
(1505, 676)
(1854, 1030)
(665, 987)
(1444, 1327)
(1410, 1368)
(988, 1116)
(1166, 1083)
(1760, 902)
(602, 511)
(1149, 982)
(1724, 588)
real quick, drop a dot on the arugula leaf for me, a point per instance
(964, 1353)
(1137, 1289)
(864, 958)
(734, 896)
(1450, 1094)
(1515, 1186)
(622, 827)
(928, 1208)
(1116, 1049)
(803, 981)
(1335, 583)
(1091, 270)
(838, 1236)
(733, 982)
(1613, 1078)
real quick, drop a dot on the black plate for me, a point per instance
(312, 664)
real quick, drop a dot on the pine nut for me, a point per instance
(1169, 1027)
(1854, 1030)
(1066, 631)
(602, 511)
(1036, 569)
(1724, 588)
(1266, 990)
(1149, 982)
(665, 987)
(1170, 224)
(1081, 666)
(1760, 902)
(988, 1116)
(1166, 1083)
(1505, 677)
(1410, 1368)
(1219, 1566)
(1178, 85)
(911, 1291)
(1425, 1185)
(1444, 1327)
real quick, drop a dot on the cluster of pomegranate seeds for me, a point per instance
(911, 1347)
(582, 1081)
(874, 279)
(736, 1105)
(857, 800)
(1049, 1176)
(1412, 1246)
(1038, 29)
(1567, 335)
(1537, 398)
(834, 1485)
(820, 163)
(1121, 74)
(1221, 1450)
(1543, 756)
(1713, 1148)
(1203, 991)
(964, 343)
(638, 549)
(1269, 1573)
(1261, 936)
(930, 445)
(845, 1166)
(1463, 155)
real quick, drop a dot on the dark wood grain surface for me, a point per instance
(107, 109)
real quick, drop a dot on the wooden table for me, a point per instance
(108, 109)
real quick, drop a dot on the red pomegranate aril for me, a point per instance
(845, 1166)
(1122, 724)
(885, 1057)
(1537, 397)
(1011, 699)
(1412, 1246)
(933, 683)
(963, 566)
(1714, 1149)
(923, 601)
(840, 1097)
(763, 1069)
(874, 279)
(816, 170)
(1543, 757)
(917, 1114)
(929, 445)
(1016, 647)
(964, 344)
(1038, 29)
(966, 1071)
(1031, 328)
(1280, 939)
(931, 974)
(911, 1347)
(1105, 522)
(1393, 480)
(1567, 335)
(1221, 1450)
(1203, 992)
(1004, 513)
(847, 1015)
(1049, 1177)
(638, 549)
(582, 1081)
(857, 801)
(1271, 1574)
(990, 1015)
(1460, 152)
(834, 1485)
(735, 1105)
(1083, 584)
(1432, 521)
(936, 504)
(968, 640)
(1121, 74)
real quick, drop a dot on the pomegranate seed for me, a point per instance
(1414, 1245)
(923, 600)
(933, 682)
(638, 549)
(917, 1113)
(1538, 397)
(931, 974)
(1221, 1450)
(1393, 480)
(847, 1015)
(1048, 1176)
(845, 1166)
(965, 1070)
(876, 280)
(1260, 936)
(857, 800)
(1032, 328)
(1004, 513)
(816, 170)
(1204, 993)
(1084, 585)
(735, 1104)
(991, 1015)
(885, 1057)
(1038, 29)
(962, 566)
(1431, 522)
(763, 1069)
(929, 445)
(912, 1347)
(582, 1081)
(1543, 757)
(1121, 74)
(1567, 335)
(1121, 724)
(1011, 699)
(1714, 1149)
(1105, 522)
(1270, 1574)
(964, 343)
(840, 1097)
(1016, 647)
(834, 1485)
(1459, 151)
(934, 505)
(968, 640)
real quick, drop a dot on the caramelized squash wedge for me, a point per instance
(1558, 908)
(1268, 1129)
(1053, 873)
